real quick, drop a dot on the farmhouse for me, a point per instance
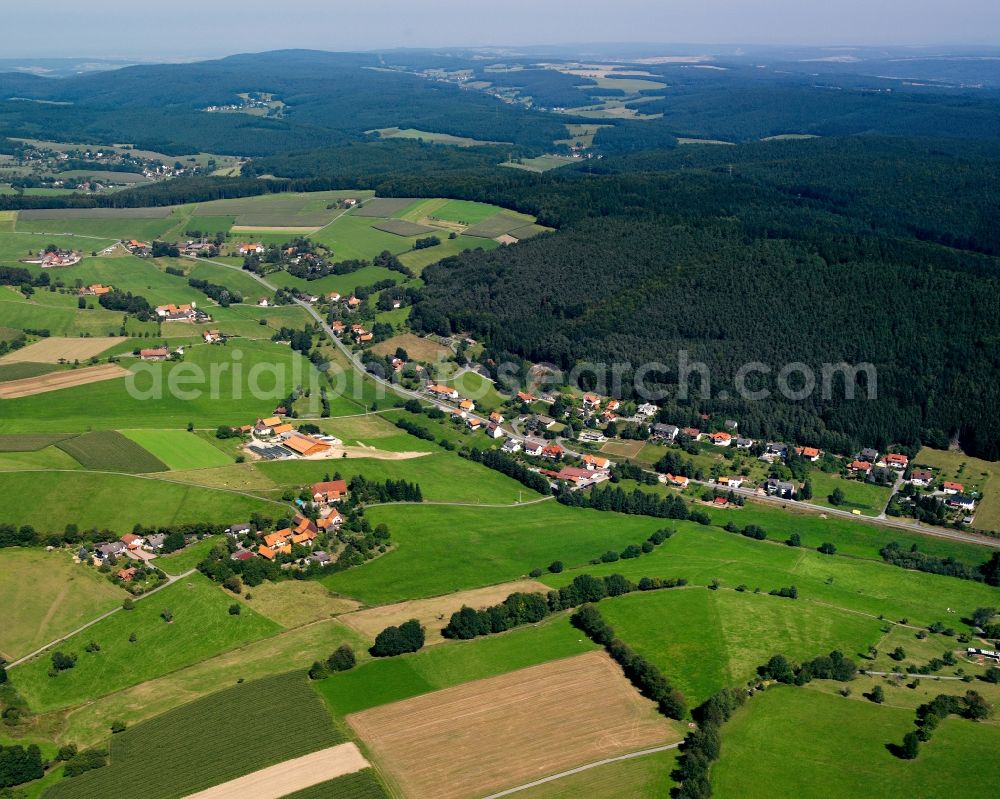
(329, 491)
(95, 290)
(580, 477)
(467, 405)
(247, 249)
(133, 541)
(264, 427)
(730, 482)
(179, 313)
(721, 439)
(154, 354)
(525, 397)
(675, 480)
(271, 553)
(591, 402)
(126, 575)
(809, 453)
(952, 488)
(212, 336)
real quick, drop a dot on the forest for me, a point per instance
(741, 266)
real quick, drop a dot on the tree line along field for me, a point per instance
(225, 735)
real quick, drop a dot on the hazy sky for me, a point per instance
(161, 28)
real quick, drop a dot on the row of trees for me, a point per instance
(644, 675)
(498, 461)
(613, 498)
(913, 558)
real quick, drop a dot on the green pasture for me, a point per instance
(117, 502)
(440, 549)
(178, 449)
(703, 554)
(800, 742)
(708, 640)
(201, 627)
(213, 385)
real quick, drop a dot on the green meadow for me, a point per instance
(213, 385)
(179, 449)
(58, 313)
(442, 476)
(703, 554)
(870, 499)
(800, 742)
(708, 640)
(201, 627)
(440, 549)
(117, 502)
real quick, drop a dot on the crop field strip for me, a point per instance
(210, 741)
(95, 213)
(109, 450)
(54, 348)
(360, 785)
(497, 225)
(384, 207)
(55, 381)
(401, 227)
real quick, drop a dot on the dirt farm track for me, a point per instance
(54, 381)
(484, 736)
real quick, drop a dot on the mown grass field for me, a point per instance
(109, 450)
(418, 260)
(707, 640)
(117, 502)
(178, 449)
(201, 628)
(800, 742)
(107, 228)
(211, 741)
(52, 596)
(48, 458)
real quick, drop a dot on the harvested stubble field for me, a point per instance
(54, 348)
(434, 613)
(484, 736)
(30, 442)
(297, 774)
(418, 348)
(54, 381)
